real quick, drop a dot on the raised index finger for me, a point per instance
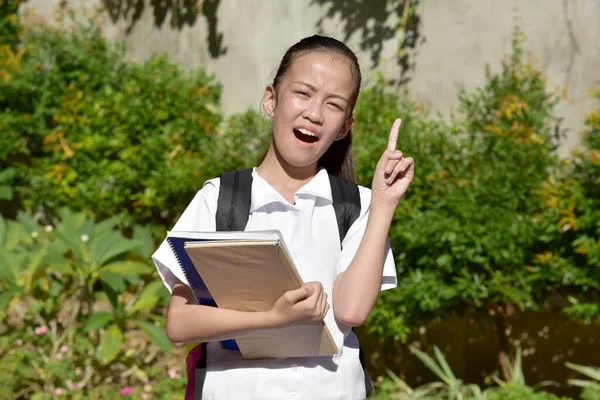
(394, 134)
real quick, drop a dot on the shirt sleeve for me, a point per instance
(198, 216)
(354, 237)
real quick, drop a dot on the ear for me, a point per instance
(345, 128)
(269, 100)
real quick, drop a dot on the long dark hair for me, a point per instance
(338, 160)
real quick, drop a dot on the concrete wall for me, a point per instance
(241, 42)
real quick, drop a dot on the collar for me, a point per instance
(263, 193)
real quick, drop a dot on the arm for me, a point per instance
(355, 290)
(189, 322)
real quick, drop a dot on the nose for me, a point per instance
(313, 112)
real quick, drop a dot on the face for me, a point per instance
(311, 108)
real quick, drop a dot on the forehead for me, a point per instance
(324, 70)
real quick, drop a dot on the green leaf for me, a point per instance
(5, 298)
(2, 230)
(7, 174)
(431, 364)
(71, 240)
(156, 335)
(128, 268)
(444, 260)
(149, 297)
(110, 345)
(146, 243)
(113, 280)
(106, 247)
(97, 321)
(105, 227)
(592, 372)
(113, 297)
(36, 267)
(443, 363)
(6, 193)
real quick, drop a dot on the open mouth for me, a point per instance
(306, 136)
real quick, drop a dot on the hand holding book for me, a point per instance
(306, 304)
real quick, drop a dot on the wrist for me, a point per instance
(271, 319)
(382, 208)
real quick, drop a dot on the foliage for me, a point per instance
(87, 130)
(9, 24)
(82, 295)
(451, 388)
(591, 387)
(467, 233)
(577, 205)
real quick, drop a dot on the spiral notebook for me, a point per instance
(249, 271)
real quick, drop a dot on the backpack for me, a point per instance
(233, 211)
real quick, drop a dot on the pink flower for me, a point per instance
(145, 396)
(126, 391)
(41, 330)
(59, 391)
(76, 386)
(63, 349)
(174, 373)
(19, 342)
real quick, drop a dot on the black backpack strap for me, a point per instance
(235, 195)
(346, 203)
(233, 210)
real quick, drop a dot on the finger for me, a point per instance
(323, 305)
(294, 296)
(394, 135)
(399, 170)
(390, 165)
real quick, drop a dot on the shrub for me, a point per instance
(84, 128)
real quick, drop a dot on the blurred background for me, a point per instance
(114, 112)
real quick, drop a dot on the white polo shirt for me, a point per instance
(310, 231)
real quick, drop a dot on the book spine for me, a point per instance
(187, 278)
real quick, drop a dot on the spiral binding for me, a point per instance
(221, 343)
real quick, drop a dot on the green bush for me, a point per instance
(87, 130)
(9, 24)
(79, 305)
(464, 234)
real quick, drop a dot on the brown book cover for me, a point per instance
(249, 273)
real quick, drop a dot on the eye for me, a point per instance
(302, 94)
(337, 106)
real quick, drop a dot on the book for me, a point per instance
(249, 271)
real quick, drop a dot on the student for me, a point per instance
(310, 102)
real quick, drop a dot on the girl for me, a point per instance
(310, 102)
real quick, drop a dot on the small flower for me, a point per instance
(174, 373)
(59, 356)
(34, 234)
(63, 349)
(145, 396)
(41, 330)
(85, 238)
(147, 387)
(76, 386)
(126, 391)
(59, 391)
(78, 371)
(19, 342)
(48, 228)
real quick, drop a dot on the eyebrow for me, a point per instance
(314, 89)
